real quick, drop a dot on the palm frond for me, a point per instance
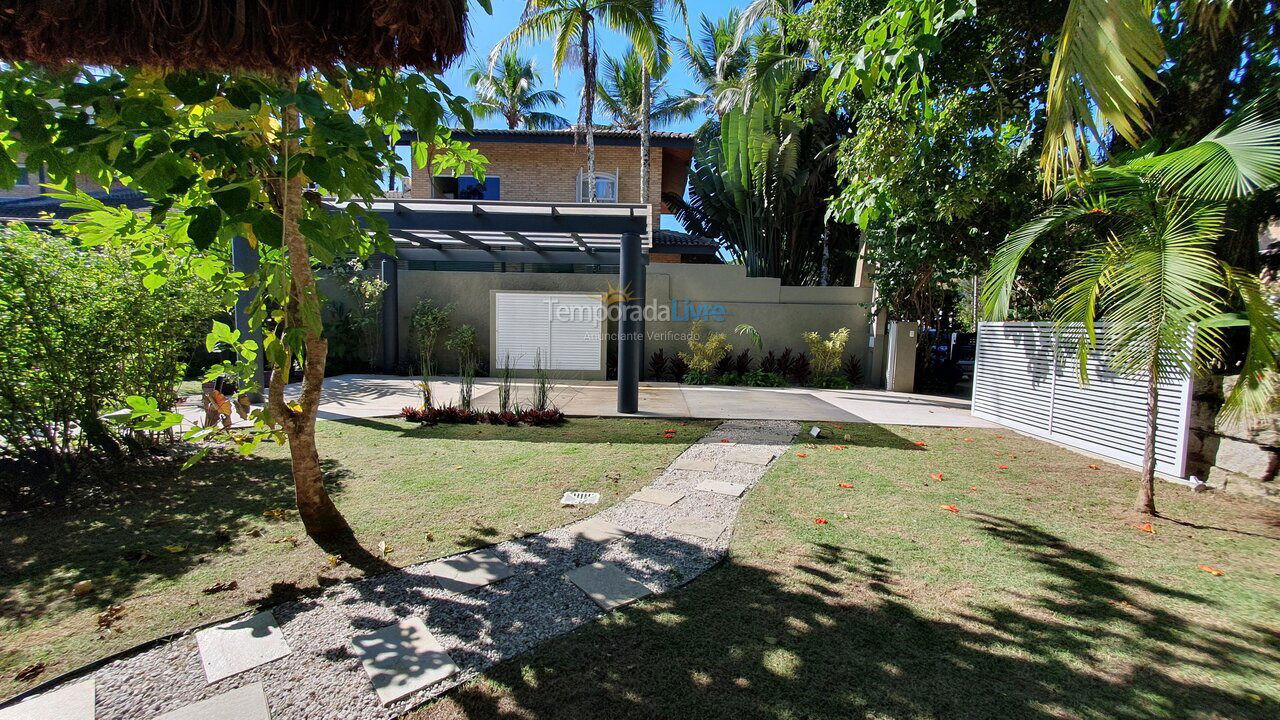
(1256, 390)
(1106, 53)
(1238, 158)
(997, 288)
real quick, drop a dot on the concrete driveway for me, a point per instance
(364, 396)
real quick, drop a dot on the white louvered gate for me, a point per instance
(564, 329)
(1022, 380)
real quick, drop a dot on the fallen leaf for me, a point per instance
(973, 487)
(802, 455)
(936, 476)
(431, 537)
(920, 443)
(333, 560)
(384, 548)
(457, 467)
(276, 514)
(108, 617)
(291, 539)
(1002, 467)
(1146, 527)
(968, 439)
(999, 437)
(725, 440)
(846, 486)
(175, 549)
(951, 508)
(1094, 467)
(839, 427)
(221, 587)
(1211, 570)
(82, 588)
(820, 521)
(844, 437)
(29, 672)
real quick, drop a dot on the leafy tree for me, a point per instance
(225, 155)
(510, 92)
(717, 61)
(1149, 291)
(621, 93)
(572, 27)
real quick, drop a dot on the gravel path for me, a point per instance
(323, 678)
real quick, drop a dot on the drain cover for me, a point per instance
(577, 497)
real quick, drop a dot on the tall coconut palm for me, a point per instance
(572, 26)
(716, 61)
(510, 92)
(621, 92)
(1151, 282)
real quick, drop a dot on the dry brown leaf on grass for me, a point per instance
(221, 587)
(936, 476)
(175, 549)
(846, 486)
(819, 521)
(802, 455)
(1211, 570)
(384, 548)
(30, 672)
(951, 508)
(1094, 467)
(920, 443)
(1146, 527)
(333, 560)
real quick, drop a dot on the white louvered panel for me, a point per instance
(562, 329)
(1020, 381)
(523, 329)
(575, 332)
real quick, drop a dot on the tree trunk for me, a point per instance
(319, 515)
(588, 107)
(1146, 504)
(646, 101)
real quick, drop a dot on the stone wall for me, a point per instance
(1234, 456)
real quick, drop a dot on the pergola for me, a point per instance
(611, 233)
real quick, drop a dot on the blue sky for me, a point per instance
(487, 30)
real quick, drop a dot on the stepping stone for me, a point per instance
(240, 645)
(70, 702)
(246, 703)
(403, 658)
(579, 497)
(464, 573)
(607, 585)
(705, 529)
(693, 465)
(753, 457)
(721, 488)
(597, 530)
(658, 497)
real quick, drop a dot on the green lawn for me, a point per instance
(157, 540)
(1037, 599)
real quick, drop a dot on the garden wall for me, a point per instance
(1234, 456)
(780, 313)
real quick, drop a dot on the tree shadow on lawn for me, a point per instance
(120, 542)
(841, 634)
(574, 430)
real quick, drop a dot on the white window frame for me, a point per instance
(612, 176)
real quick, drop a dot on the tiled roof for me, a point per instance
(669, 240)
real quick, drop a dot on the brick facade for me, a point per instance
(548, 172)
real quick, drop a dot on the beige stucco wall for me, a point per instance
(781, 314)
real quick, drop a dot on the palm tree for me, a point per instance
(1152, 281)
(571, 25)
(511, 93)
(717, 61)
(621, 93)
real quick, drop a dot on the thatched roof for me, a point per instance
(262, 35)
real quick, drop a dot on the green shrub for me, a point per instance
(760, 378)
(826, 354)
(79, 332)
(704, 355)
(462, 342)
(428, 323)
(352, 316)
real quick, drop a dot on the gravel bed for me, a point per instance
(323, 679)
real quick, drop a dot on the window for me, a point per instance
(24, 177)
(466, 187)
(606, 187)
